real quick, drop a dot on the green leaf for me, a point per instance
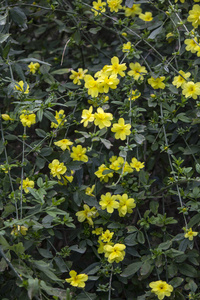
(106, 143)
(154, 207)
(154, 33)
(45, 253)
(194, 220)
(46, 269)
(140, 237)
(131, 269)
(130, 240)
(33, 287)
(18, 16)
(146, 268)
(165, 245)
(61, 71)
(176, 281)
(187, 270)
(3, 19)
(4, 37)
(41, 133)
(31, 59)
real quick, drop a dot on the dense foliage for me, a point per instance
(99, 150)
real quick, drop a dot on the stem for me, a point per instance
(22, 172)
(110, 283)
(6, 156)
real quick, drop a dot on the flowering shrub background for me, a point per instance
(99, 150)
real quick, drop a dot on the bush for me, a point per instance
(99, 150)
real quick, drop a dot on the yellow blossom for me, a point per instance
(89, 190)
(98, 231)
(6, 117)
(26, 183)
(77, 76)
(102, 244)
(191, 89)
(137, 71)
(108, 82)
(194, 16)
(33, 67)
(103, 177)
(114, 5)
(116, 68)
(66, 179)
(78, 153)
(125, 205)
(135, 164)
(147, 16)
(190, 234)
(87, 116)
(126, 47)
(157, 83)
(132, 11)
(107, 236)
(134, 95)
(17, 229)
(161, 289)
(121, 129)
(57, 168)
(60, 118)
(102, 119)
(22, 87)
(191, 44)
(180, 80)
(27, 119)
(93, 86)
(98, 6)
(87, 214)
(109, 202)
(63, 144)
(77, 280)
(115, 253)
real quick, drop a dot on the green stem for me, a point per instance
(22, 173)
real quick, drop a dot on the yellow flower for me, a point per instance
(107, 236)
(66, 179)
(116, 68)
(114, 5)
(60, 118)
(161, 289)
(135, 164)
(102, 244)
(194, 16)
(134, 95)
(191, 45)
(180, 80)
(27, 119)
(93, 86)
(170, 37)
(33, 67)
(76, 76)
(98, 231)
(89, 190)
(109, 202)
(134, 10)
(137, 71)
(182, 1)
(115, 253)
(147, 16)
(104, 177)
(87, 116)
(26, 183)
(191, 89)
(87, 214)
(77, 280)
(107, 82)
(190, 234)
(57, 168)
(19, 230)
(98, 6)
(22, 87)
(157, 83)
(63, 144)
(6, 117)
(122, 130)
(78, 153)
(125, 205)
(102, 119)
(126, 47)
